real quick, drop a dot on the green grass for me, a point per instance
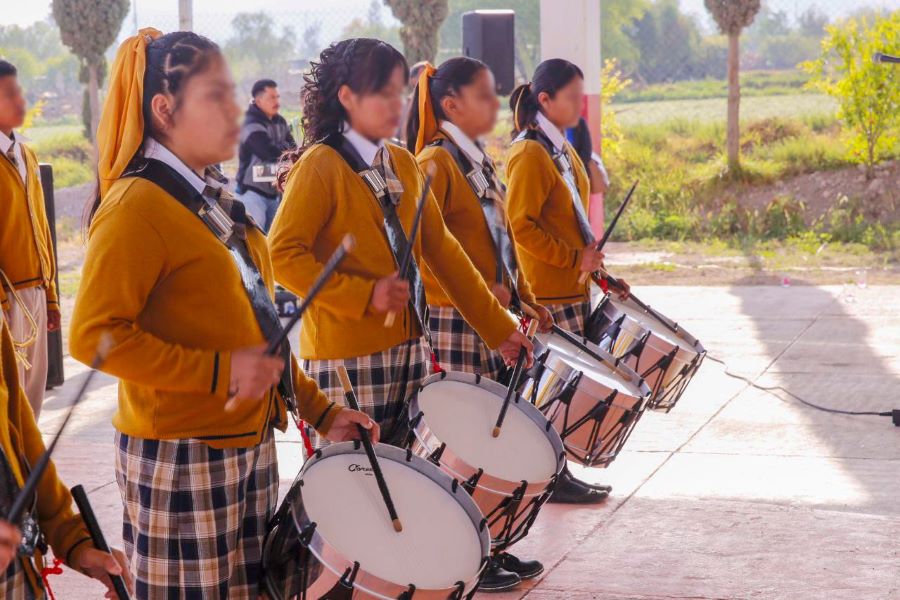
(713, 110)
(753, 83)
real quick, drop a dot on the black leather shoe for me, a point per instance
(498, 579)
(526, 569)
(596, 486)
(569, 490)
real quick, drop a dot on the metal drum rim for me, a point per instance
(694, 344)
(531, 411)
(568, 360)
(397, 455)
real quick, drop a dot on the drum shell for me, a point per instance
(619, 409)
(489, 492)
(645, 349)
(325, 565)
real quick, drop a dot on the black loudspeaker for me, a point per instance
(490, 36)
(55, 375)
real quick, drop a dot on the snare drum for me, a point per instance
(592, 399)
(332, 538)
(510, 476)
(660, 351)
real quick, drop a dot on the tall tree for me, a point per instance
(732, 16)
(88, 28)
(421, 22)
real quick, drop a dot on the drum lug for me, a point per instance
(458, 592)
(435, 456)
(408, 593)
(307, 534)
(343, 589)
(472, 482)
(409, 454)
(477, 378)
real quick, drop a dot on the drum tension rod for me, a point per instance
(408, 593)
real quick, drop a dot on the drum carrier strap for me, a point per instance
(396, 237)
(481, 183)
(221, 225)
(564, 167)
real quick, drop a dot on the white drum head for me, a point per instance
(439, 544)
(463, 415)
(603, 375)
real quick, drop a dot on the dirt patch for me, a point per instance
(822, 190)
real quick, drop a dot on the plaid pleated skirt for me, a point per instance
(383, 383)
(14, 583)
(571, 317)
(459, 347)
(195, 517)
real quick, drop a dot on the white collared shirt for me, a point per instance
(18, 139)
(551, 131)
(155, 150)
(465, 143)
(367, 150)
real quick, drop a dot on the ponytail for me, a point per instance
(432, 87)
(550, 76)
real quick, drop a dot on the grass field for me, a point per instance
(707, 110)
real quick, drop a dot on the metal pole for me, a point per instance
(186, 15)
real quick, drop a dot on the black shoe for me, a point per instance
(593, 486)
(526, 569)
(569, 490)
(498, 579)
(596, 486)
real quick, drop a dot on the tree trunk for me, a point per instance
(734, 103)
(94, 102)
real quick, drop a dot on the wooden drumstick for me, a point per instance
(612, 225)
(350, 395)
(18, 506)
(407, 255)
(514, 381)
(93, 527)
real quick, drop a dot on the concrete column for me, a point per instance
(185, 15)
(570, 29)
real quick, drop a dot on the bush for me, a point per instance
(71, 145)
(68, 172)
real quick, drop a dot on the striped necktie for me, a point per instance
(11, 155)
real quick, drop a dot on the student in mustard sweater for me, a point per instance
(21, 553)
(27, 265)
(345, 178)
(454, 105)
(180, 279)
(547, 203)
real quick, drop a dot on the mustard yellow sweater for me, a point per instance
(324, 199)
(170, 294)
(464, 217)
(26, 248)
(542, 216)
(20, 438)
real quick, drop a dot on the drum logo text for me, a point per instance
(355, 467)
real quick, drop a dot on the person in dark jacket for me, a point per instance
(265, 134)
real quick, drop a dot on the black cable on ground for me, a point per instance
(894, 413)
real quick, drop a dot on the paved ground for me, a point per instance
(734, 494)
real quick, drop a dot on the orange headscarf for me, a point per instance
(428, 125)
(121, 128)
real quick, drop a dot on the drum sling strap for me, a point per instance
(376, 180)
(485, 184)
(222, 225)
(564, 166)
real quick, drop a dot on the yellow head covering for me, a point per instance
(428, 125)
(121, 128)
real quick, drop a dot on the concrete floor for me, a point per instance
(734, 494)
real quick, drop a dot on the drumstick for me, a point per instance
(370, 450)
(615, 282)
(18, 505)
(407, 255)
(93, 527)
(514, 381)
(612, 225)
(346, 247)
